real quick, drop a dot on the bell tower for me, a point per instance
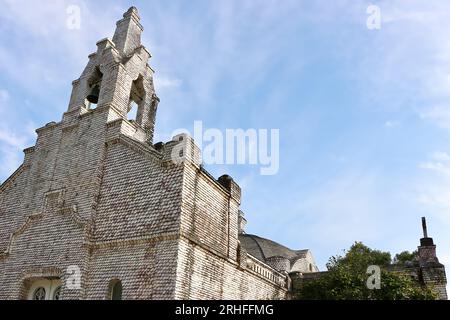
(118, 76)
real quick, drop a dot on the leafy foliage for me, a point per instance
(347, 276)
(405, 256)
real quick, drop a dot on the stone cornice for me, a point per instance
(36, 216)
(136, 146)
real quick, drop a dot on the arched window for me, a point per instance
(116, 290)
(57, 293)
(39, 294)
(44, 289)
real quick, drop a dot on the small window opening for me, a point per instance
(116, 290)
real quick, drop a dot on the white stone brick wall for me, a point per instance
(202, 275)
(94, 193)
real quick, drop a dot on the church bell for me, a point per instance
(93, 95)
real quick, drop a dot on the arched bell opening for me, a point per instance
(94, 86)
(136, 101)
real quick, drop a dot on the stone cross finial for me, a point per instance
(424, 227)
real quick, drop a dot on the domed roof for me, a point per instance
(263, 249)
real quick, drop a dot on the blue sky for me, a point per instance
(364, 115)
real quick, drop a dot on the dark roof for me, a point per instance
(263, 249)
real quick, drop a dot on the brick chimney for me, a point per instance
(427, 248)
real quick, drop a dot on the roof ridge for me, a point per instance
(251, 236)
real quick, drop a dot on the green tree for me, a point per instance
(405, 256)
(347, 276)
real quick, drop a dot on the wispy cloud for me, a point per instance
(163, 82)
(39, 32)
(437, 167)
(4, 96)
(392, 124)
(441, 156)
(349, 199)
(13, 139)
(11, 146)
(440, 115)
(434, 187)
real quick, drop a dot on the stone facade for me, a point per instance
(96, 195)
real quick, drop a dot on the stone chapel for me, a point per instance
(98, 211)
